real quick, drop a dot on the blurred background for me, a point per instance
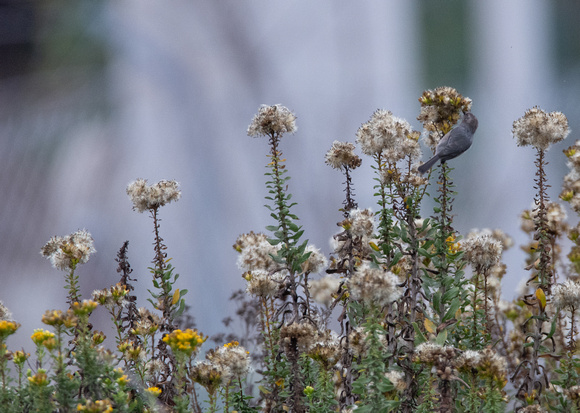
(96, 94)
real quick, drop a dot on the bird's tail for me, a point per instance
(428, 165)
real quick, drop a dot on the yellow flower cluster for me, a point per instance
(85, 308)
(58, 318)
(44, 338)
(154, 391)
(40, 336)
(452, 246)
(19, 357)
(232, 344)
(184, 341)
(131, 351)
(100, 406)
(7, 328)
(39, 379)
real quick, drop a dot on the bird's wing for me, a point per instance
(453, 144)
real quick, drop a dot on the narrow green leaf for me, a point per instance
(455, 304)
(441, 338)
(450, 294)
(419, 337)
(437, 300)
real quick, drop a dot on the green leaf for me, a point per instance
(423, 252)
(455, 304)
(293, 226)
(398, 255)
(450, 294)
(297, 235)
(552, 329)
(441, 338)
(385, 386)
(437, 300)
(419, 337)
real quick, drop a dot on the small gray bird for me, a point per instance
(454, 143)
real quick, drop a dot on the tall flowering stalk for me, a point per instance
(169, 302)
(341, 156)
(440, 110)
(273, 122)
(381, 138)
(395, 148)
(539, 129)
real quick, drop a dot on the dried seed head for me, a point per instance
(272, 120)
(374, 286)
(540, 129)
(66, 252)
(341, 155)
(385, 133)
(482, 252)
(147, 197)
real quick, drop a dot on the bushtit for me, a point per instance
(454, 143)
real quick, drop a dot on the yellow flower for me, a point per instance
(84, 308)
(154, 391)
(39, 379)
(130, 350)
(123, 380)
(7, 328)
(232, 344)
(50, 343)
(40, 336)
(185, 342)
(58, 318)
(100, 406)
(452, 246)
(98, 337)
(19, 357)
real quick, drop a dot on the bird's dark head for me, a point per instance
(471, 121)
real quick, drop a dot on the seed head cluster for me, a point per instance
(540, 129)
(362, 222)
(341, 155)
(272, 120)
(326, 351)
(397, 378)
(263, 284)
(316, 261)
(374, 286)
(482, 252)
(324, 290)
(305, 334)
(149, 197)
(255, 252)
(384, 133)
(232, 360)
(567, 295)
(66, 252)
